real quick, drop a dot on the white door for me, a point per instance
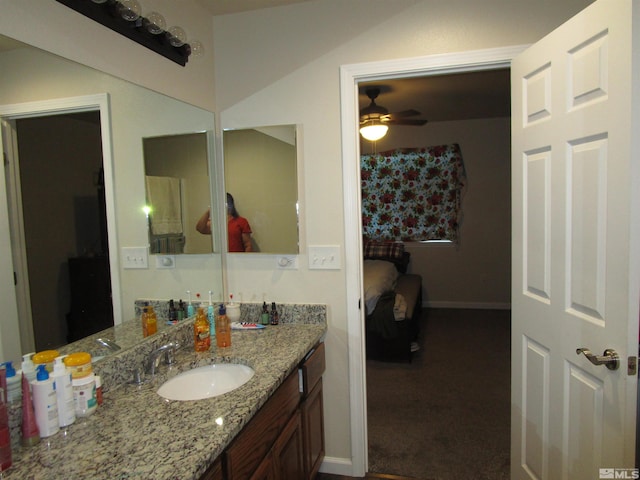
(576, 216)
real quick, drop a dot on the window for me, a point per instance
(412, 195)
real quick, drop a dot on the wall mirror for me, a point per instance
(177, 186)
(135, 113)
(260, 174)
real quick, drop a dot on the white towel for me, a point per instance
(163, 195)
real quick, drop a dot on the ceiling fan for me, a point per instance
(375, 119)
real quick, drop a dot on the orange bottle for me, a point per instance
(201, 338)
(152, 321)
(223, 329)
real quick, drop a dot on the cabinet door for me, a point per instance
(265, 470)
(287, 451)
(313, 431)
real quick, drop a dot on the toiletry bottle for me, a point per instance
(45, 403)
(14, 384)
(201, 337)
(223, 329)
(84, 395)
(274, 317)
(190, 310)
(173, 314)
(143, 321)
(30, 434)
(5, 436)
(211, 316)
(264, 317)
(28, 368)
(152, 321)
(180, 312)
(64, 393)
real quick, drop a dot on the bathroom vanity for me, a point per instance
(270, 427)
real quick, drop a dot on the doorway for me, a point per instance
(59, 176)
(350, 77)
(93, 206)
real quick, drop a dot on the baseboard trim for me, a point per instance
(337, 466)
(478, 305)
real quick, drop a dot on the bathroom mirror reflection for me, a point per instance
(260, 174)
(177, 185)
(134, 113)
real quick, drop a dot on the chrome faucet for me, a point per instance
(154, 357)
(110, 344)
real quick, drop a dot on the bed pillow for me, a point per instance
(377, 250)
(379, 277)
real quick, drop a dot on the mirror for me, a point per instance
(133, 113)
(260, 174)
(177, 186)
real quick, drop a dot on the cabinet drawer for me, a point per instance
(256, 439)
(312, 369)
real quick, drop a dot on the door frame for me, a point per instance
(86, 103)
(350, 76)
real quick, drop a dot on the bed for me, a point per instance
(392, 300)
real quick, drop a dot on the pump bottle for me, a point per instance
(45, 403)
(223, 329)
(64, 393)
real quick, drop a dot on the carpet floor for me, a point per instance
(446, 415)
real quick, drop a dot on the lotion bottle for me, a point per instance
(28, 368)
(45, 403)
(14, 384)
(64, 393)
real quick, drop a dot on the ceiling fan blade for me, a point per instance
(404, 113)
(407, 121)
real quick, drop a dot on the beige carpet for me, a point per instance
(446, 415)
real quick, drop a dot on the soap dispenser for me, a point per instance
(45, 403)
(201, 336)
(64, 393)
(223, 329)
(233, 310)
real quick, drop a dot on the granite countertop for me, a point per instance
(136, 434)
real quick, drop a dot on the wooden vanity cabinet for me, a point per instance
(285, 439)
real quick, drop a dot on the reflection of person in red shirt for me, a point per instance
(238, 229)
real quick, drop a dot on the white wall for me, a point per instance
(282, 66)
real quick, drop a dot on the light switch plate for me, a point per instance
(135, 257)
(324, 257)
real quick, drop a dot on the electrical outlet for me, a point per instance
(135, 257)
(324, 257)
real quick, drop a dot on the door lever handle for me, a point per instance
(609, 358)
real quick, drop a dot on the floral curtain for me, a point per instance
(412, 194)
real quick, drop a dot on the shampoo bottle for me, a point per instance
(64, 393)
(223, 329)
(152, 321)
(201, 337)
(45, 403)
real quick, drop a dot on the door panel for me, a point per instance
(575, 246)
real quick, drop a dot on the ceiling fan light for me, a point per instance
(374, 131)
